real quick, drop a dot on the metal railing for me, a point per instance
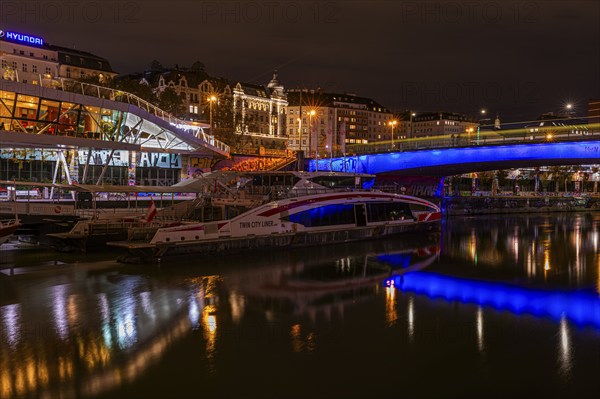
(88, 89)
(511, 136)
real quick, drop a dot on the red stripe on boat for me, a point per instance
(293, 205)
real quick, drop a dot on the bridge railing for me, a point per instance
(108, 93)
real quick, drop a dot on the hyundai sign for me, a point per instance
(21, 38)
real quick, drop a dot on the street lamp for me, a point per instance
(299, 134)
(393, 123)
(469, 131)
(569, 108)
(412, 114)
(330, 151)
(482, 112)
(211, 100)
(310, 113)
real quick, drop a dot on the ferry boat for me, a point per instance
(302, 219)
(7, 228)
(91, 234)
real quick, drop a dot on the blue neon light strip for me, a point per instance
(581, 307)
(388, 162)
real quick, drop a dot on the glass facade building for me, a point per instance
(111, 134)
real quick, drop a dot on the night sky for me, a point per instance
(515, 58)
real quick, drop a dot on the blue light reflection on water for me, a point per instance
(580, 307)
(396, 260)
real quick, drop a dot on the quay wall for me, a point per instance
(457, 206)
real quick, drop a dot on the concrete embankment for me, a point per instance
(455, 206)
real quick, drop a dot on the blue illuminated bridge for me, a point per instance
(453, 161)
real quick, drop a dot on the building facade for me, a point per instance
(328, 123)
(76, 64)
(594, 114)
(231, 107)
(29, 59)
(431, 124)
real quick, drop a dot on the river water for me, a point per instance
(494, 306)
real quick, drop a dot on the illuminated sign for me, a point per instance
(21, 38)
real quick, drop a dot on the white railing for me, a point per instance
(108, 93)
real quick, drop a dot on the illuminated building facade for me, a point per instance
(431, 124)
(339, 120)
(594, 113)
(29, 59)
(256, 111)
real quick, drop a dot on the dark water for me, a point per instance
(501, 306)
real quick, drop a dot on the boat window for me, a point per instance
(419, 208)
(267, 180)
(387, 211)
(335, 181)
(328, 215)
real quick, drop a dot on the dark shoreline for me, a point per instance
(457, 206)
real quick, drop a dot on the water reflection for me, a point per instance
(59, 293)
(479, 326)
(411, 318)
(551, 247)
(580, 307)
(11, 319)
(84, 335)
(307, 286)
(564, 352)
(59, 348)
(391, 313)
